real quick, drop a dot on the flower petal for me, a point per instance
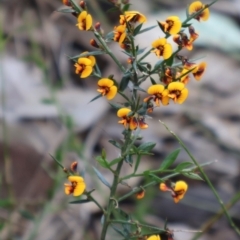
(154, 89)
(123, 112)
(112, 93)
(105, 82)
(88, 22)
(183, 96)
(86, 72)
(167, 52)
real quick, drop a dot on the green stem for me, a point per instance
(108, 51)
(160, 230)
(135, 190)
(90, 197)
(205, 177)
(216, 217)
(145, 55)
(111, 202)
(110, 206)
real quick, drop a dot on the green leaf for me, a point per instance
(152, 81)
(169, 160)
(186, 25)
(160, 26)
(115, 105)
(101, 178)
(128, 159)
(119, 231)
(80, 201)
(109, 36)
(146, 147)
(147, 173)
(65, 10)
(139, 89)
(147, 29)
(157, 179)
(124, 82)
(115, 161)
(93, 53)
(158, 64)
(126, 7)
(137, 30)
(169, 61)
(137, 163)
(95, 98)
(142, 68)
(76, 6)
(192, 175)
(182, 166)
(115, 144)
(102, 162)
(128, 54)
(121, 215)
(140, 51)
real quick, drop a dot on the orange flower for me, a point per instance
(141, 123)
(177, 92)
(199, 71)
(76, 187)
(172, 25)
(119, 33)
(168, 76)
(178, 190)
(193, 34)
(131, 122)
(84, 67)
(122, 113)
(107, 88)
(184, 78)
(162, 48)
(140, 194)
(84, 21)
(196, 7)
(183, 41)
(132, 17)
(159, 94)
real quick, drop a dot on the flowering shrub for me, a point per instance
(168, 80)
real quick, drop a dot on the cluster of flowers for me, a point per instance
(173, 78)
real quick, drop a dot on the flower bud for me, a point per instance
(130, 60)
(99, 28)
(74, 166)
(82, 5)
(94, 43)
(67, 3)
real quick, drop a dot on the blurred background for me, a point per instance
(45, 111)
